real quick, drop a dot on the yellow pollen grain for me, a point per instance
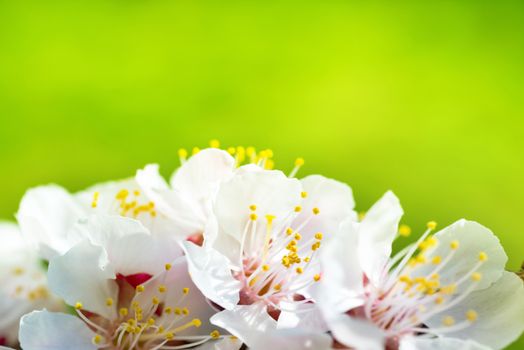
(78, 305)
(316, 278)
(299, 161)
(404, 230)
(123, 312)
(185, 290)
(298, 208)
(318, 235)
(299, 270)
(151, 321)
(168, 310)
(431, 225)
(448, 321)
(298, 237)
(316, 211)
(196, 322)
(436, 260)
(471, 315)
(168, 267)
(185, 311)
(476, 276)
(109, 301)
(231, 150)
(182, 153)
(483, 256)
(265, 268)
(289, 231)
(97, 339)
(454, 245)
(140, 288)
(169, 335)
(214, 143)
(253, 217)
(195, 150)
(252, 207)
(162, 288)
(155, 301)
(215, 334)
(303, 194)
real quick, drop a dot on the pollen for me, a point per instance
(277, 287)
(448, 321)
(196, 322)
(436, 260)
(97, 339)
(168, 267)
(78, 305)
(123, 311)
(182, 153)
(298, 236)
(214, 143)
(471, 315)
(195, 150)
(299, 161)
(404, 230)
(483, 256)
(431, 225)
(454, 245)
(476, 276)
(303, 194)
(298, 208)
(299, 270)
(318, 235)
(169, 335)
(185, 290)
(289, 231)
(162, 288)
(109, 301)
(94, 203)
(265, 268)
(140, 288)
(316, 278)
(253, 207)
(253, 217)
(231, 150)
(316, 211)
(215, 334)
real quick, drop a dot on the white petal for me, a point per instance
(291, 339)
(341, 285)
(226, 343)
(200, 175)
(335, 201)
(378, 230)
(417, 343)
(46, 215)
(211, 272)
(356, 333)
(43, 330)
(473, 238)
(272, 192)
(84, 275)
(307, 317)
(500, 310)
(245, 321)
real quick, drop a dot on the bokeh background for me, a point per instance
(424, 98)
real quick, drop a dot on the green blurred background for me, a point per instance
(424, 98)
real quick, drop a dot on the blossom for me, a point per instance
(447, 290)
(129, 289)
(23, 283)
(262, 242)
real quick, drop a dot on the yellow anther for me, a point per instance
(421, 259)
(250, 151)
(197, 322)
(439, 300)
(253, 216)
(448, 289)
(178, 311)
(289, 231)
(162, 288)
(182, 153)
(78, 305)
(151, 321)
(436, 260)
(109, 301)
(448, 321)
(94, 203)
(298, 236)
(471, 315)
(122, 194)
(123, 312)
(265, 267)
(454, 245)
(160, 330)
(155, 300)
(299, 161)
(168, 267)
(307, 258)
(231, 150)
(303, 194)
(140, 288)
(404, 230)
(253, 207)
(168, 310)
(299, 270)
(270, 218)
(483, 256)
(169, 335)
(131, 321)
(405, 279)
(316, 278)
(476, 276)
(185, 290)
(185, 311)
(215, 334)
(431, 225)
(277, 287)
(316, 211)
(318, 235)
(214, 143)
(298, 208)
(195, 150)
(97, 339)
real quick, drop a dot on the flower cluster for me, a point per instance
(232, 254)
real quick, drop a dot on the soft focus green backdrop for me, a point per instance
(425, 98)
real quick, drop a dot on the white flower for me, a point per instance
(47, 213)
(448, 290)
(129, 289)
(23, 283)
(260, 252)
